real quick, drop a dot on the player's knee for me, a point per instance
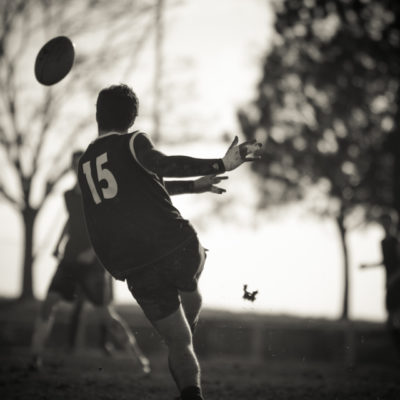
(181, 339)
(180, 347)
(191, 300)
(175, 330)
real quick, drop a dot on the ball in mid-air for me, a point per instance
(54, 60)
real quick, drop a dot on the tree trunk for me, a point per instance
(346, 275)
(29, 217)
(396, 169)
(158, 70)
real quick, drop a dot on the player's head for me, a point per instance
(76, 155)
(389, 220)
(116, 108)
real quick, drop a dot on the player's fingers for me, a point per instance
(234, 143)
(252, 158)
(209, 178)
(244, 149)
(217, 190)
(250, 146)
(254, 146)
(249, 142)
(218, 179)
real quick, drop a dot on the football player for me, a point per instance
(390, 246)
(80, 270)
(139, 235)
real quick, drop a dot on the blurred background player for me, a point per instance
(79, 271)
(139, 235)
(390, 247)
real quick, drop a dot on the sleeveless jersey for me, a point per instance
(78, 239)
(129, 214)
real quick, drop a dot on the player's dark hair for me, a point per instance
(389, 216)
(116, 108)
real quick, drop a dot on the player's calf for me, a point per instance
(191, 303)
(120, 331)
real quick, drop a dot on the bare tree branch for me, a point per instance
(47, 118)
(51, 184)
(9, 198)
(110, 35)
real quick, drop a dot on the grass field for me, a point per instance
(90, 375)
(294, 359)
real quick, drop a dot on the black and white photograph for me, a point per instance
(200, 200)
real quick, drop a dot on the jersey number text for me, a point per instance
(103, 174)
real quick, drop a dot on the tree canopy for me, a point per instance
(327, 104)
(327, 110)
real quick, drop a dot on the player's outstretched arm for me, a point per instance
(179, 187)
(238, 154)
(177, 166)
(207, 184)
(184, 166)
(371, 265)
(201, 185)
(58, 247)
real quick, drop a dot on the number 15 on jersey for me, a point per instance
(103, 174)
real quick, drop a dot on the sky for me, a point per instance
(213, 50)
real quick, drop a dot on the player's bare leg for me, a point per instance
(185, 369)
(191, 302)
(75, 323)
(43, 325)
(119, 329)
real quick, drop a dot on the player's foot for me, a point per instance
(36, 363)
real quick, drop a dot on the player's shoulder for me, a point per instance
(68, 194)
(99, 144)
(140, 140)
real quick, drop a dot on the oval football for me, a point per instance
(54, 60)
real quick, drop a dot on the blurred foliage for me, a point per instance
(327, 106)
(327, 111)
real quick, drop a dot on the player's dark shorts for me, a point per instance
(156, 286)
(92, 280)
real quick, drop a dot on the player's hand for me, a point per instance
(86, 257)
(238, 154)
(206, 184)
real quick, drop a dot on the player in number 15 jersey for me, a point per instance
(129, 213)
(139, 235)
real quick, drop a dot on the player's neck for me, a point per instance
(105, 132)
